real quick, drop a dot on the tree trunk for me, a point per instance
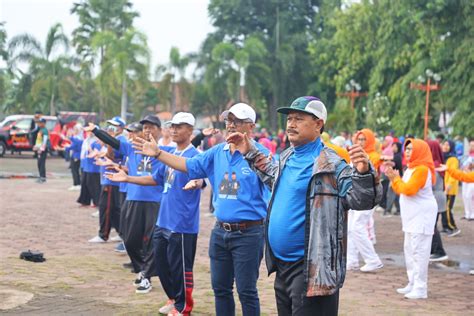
(123, 109)
(173, 97)
(52, 108)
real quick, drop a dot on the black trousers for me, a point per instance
(447, 218)
(385, 185)
(174, 259)
(122, 198)
(41, 159)
(90, 188)
(137, 233)
(75, 170)
(109, 210)
(436, 243)
(291, 297)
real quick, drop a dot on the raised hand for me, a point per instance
(147, 148)
(240, 141)
(104, 162)
(119, 176)
(210, 131)
(441, 168)
(359, 158)
(392, 173)
(90, 127)
(193, 185)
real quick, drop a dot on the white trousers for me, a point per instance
(417, 249)
(358, 240)
(468, 199)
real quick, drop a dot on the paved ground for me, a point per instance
(83, 279)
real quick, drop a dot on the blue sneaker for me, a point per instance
(121, 248)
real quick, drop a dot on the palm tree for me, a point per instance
(126, 58)
(172, 75)
(47, 66)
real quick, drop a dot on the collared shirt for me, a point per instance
(238, 194)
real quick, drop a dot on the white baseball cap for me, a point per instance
(182, 118)
(241, 111)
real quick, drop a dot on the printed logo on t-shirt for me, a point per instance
(229, 188)
(169, 176)
(144, 168)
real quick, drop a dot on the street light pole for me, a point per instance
(353, 92)
(428, 87)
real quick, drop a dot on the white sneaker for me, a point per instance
(95, 214)
(71, 188)
(76, 188)
(414, 296)
(97, 240)
(405, 290)
(116, 238)
(352, 267)
(145, 286)
(371, 267)
(167, 308)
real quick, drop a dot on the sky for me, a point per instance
(167, 23)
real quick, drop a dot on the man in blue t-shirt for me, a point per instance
(176, 231)
(240, 201)
(90, 182)
(142, 204)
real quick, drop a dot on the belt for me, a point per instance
(231, 227)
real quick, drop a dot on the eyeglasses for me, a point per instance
(236, 122)
(361, 139)
(408, 149)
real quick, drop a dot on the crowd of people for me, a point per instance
(302, 197)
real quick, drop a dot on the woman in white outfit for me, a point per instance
(418, 210)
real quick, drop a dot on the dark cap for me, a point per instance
(134, 127)
(152, 119)
(40, 120)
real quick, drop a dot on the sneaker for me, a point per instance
(97, 240)
(414, 296)
(167, 308)
(116, 238)
(379, 209)
(371, 267)
(145, 286)
(454, 232)
(405, 290)
(446, 231)
(471, 272)
(71, 188)
(353, 267)
(174, 312)
(95, 214)
(139, 279)
(436, 257)
(120, 248)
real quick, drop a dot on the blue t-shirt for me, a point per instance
(75, 147)
(179, 209)
(238, 194)
(287, 218)
(88, 164)
(139, 165)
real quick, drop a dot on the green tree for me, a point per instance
(49, 65)
(127, 59)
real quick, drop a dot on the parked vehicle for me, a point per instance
(16, 133)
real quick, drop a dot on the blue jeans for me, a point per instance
(236, 255)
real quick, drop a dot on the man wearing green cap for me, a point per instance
(312, 189)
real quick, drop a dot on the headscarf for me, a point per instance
(437, 154)
(388, 150)
(421, 156)
(369, 147)
(452, 150)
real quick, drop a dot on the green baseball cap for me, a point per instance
(308, 104)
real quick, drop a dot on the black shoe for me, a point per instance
(437, 257)
(446, 231)
(454, 232)
(128, 265)
(139, 279)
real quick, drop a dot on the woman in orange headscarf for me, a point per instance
(418, 210)
(361, 234)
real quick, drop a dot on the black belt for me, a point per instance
(232, 227)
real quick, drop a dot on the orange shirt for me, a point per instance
(415, 183)
(460, 175)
